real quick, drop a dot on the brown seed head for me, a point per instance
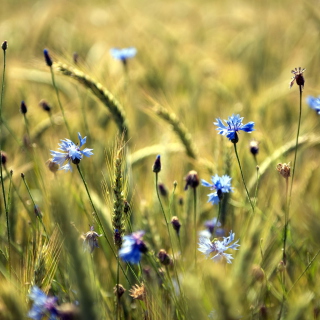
(284, 169)
(138, 292)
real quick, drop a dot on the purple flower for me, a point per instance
(71, 152)
(234, 124)
(132, 247)
(42, 305)
(217, 247)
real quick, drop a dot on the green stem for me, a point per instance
(245, 186)
(195, 224)
(34, 205)
(59, 101)
(167, 225)
(257, 186)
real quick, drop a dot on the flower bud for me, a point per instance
(23, 108)
(176, 224)
(157, 165)
(192, 180)
(44, 105)
(4, 45)
(47, 57)
(164, 257)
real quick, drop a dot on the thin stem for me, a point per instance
(167, 225)
(257, 186)
(59, 101)
(1, 173)
(117, 288)
(296, 148)
(195, 223)
(34, 205)
(245, 186)
(286, 221)
(98, 218)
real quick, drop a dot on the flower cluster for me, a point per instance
(132, 247)
(220, 185)
(234, 124)
(218, 248)
(71, 153)
(42, 305)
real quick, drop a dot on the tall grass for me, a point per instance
(196, 61)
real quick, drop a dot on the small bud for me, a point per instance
(164, 257)
(47, 57)
(254, 147)
(23, 108)
(176, 224)
(119, 290)
(181, 201)
(192, 180)
(4, 158)
(284, 169)
(22, 175)
(44, 105)
(157, 165)
(53, 166)
(175, 183)
(162, 189)
(75, 57)
(281, 266)
(4, 45)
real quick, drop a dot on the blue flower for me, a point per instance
(314, 103)
(234, 124)
(220, 184)
(42, 305)
(71, 152)
(132, 247)
(218, 247)
(123, 54)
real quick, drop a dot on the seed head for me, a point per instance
(284, 169)
(4, 158)
(192, 180)
(119, 290)
(138, 292)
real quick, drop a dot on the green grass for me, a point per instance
(196, 61)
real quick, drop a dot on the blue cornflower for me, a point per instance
(234, 125)
(123, 54)
(132, 247)
(71, 152)
(42, 305)
(220, 184)
(314, 103)
(218, 247)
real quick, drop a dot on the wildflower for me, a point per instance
(42, 305)
(138, 292)
(23, 107)
(71, 152)
(234, 125)
(123, 54)
(284, 169)
(157, 164)
(298, 77)
(90, 241)
(47, 57)
(314, 103)
(176, 224)
(220, 184)
(254, 147)
(132, 247)
(218, 247)
(192, 180)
